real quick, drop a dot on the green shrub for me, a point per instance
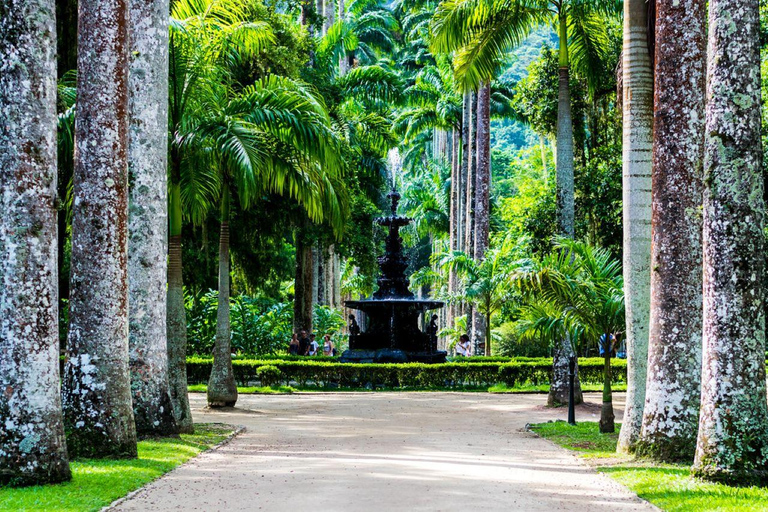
(453, 375)
(269, 375)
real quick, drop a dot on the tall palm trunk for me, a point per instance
(565, 201)
(674, 346)
(558, 391)
(148, 218)
(32, 445)
(328, 15)
(97, 405)
(482, 199)
(177, 314)
(638, 159)
(302, 307)
(453, 219)
(222, 389)
(468, 241)
(607, 417)
(733, 426)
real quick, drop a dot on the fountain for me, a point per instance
(392, 333)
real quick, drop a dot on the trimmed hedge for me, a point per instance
(455, 375)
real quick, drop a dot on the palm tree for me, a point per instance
(733, 426)
(234, 136)
(637, 110)
(487, 281)
(33, 450)
(480, 33)
(148, 219)
(204, 36)
(575, 293)
(98, 413)
(673, 384)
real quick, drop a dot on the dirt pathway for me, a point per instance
(386, 452)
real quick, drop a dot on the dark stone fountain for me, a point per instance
(392, 334)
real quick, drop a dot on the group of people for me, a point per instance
(303, 344)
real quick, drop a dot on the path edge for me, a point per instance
(238, 429)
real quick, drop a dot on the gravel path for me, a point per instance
(387, 452)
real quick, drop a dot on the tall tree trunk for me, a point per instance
(317, 271)
(32, 446)
(558, 389)
(482, 199)
(637, 111)
(148, 218)
(177, 314)
(733, 426)
(97, 405)
(565, 201)
(222, 389)
(607, 417)
(302, 306)
(343, 60)
(328, 15)
(468, 242)
(453, 234)
(674, 347)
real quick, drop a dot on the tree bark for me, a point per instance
(607, 417)
(564, 181)
(468, 241)
(328, 15)
(302, 307)
(732, 442)
(97, 405)
(558, 389)
(637, 111)
(33, 450)
(148, 218)
(674, 347)
(343, 60)
(222, 389)
(482, 199)
(177, 314)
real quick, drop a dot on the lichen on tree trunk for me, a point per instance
(32, 446)
(558, 390)
(97, 405)
(148, 218)
(637, 110)
(732, 444)
(481, 204)
(674, 348)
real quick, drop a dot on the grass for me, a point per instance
(498, 388)
(97, 483)
(668, 486)
(247, 390)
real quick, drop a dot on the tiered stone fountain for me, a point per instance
(392, 333)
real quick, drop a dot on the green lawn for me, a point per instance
(97, 483)
(668, 486)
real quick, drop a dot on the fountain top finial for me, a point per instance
(394, 197)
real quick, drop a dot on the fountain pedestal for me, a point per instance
(392, 334)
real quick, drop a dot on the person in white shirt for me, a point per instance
(463, 347)
(313, 346)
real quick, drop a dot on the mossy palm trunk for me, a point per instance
(637, 160)
(98, 412)
(482, 201)
(32, 446)
(148, 218)
(673, 382)
(732, 442)
(564, 181)
(177, 315)
(222, 389)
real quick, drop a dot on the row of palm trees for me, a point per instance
(695, 322)
(164, 133)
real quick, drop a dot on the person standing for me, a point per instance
(327, 346)
(303, 343)
(463, 347)
(313, 346)
(293, 347)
